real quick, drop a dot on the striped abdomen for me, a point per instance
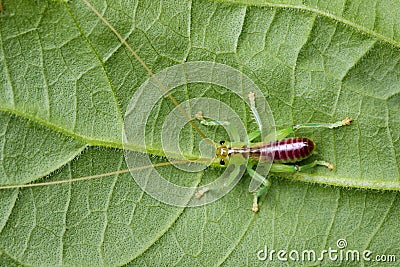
(283, 151)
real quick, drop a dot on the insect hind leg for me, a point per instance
(281, 134)
(280, 168)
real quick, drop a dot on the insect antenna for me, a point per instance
(96, 176)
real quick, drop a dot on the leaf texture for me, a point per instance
(66, 82)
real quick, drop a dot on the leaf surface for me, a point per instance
(66, 82)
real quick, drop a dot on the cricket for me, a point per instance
(276, 148)
(282, 151)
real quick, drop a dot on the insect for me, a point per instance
(276, 148)
(273, 148)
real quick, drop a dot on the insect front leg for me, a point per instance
(229, 128)
(199, 116)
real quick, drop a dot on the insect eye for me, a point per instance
(222, 162)
(221, 142)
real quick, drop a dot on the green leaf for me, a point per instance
(66, 82)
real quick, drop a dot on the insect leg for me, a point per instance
(278, 167)
(199, 116)
(229, 128)
(217, 186)
(281, 134)
(253, 135)
(346, 121)
(261, 191)
(278, 135)
(254, 110)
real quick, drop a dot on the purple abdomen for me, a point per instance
(283, 151)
